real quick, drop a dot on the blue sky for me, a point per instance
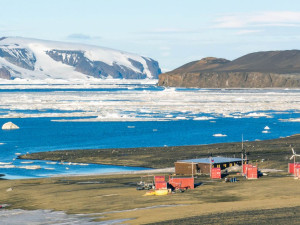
(172, 32)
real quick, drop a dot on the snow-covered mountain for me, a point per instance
(39, 59)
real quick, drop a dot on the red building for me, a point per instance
(293, 167)
(204, 165)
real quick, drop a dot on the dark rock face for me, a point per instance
(153, 67)
(100, 69)
(280, 69)
(18, 56)
(5, 74)
(230, 80)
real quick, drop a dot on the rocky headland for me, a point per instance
(271, 69)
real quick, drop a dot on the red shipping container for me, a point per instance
(159, 179)
(291, 167)
(252, 172)
(298, 173)
(215, 173)
(161, 185)
(182, 183)
(245, 166)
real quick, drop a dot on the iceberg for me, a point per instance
(9, 126)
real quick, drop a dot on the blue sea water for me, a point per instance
(44, 134)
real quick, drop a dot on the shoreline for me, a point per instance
(272, 150)
(113, 196)
(136, 172)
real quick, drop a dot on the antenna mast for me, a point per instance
(242, 142)
(242, 155)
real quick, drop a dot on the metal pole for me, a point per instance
(242, 155)
(210, 166)
(192, 169)
(242, 163)
(294, 166)
(242, 142)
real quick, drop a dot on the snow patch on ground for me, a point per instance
(19, 216)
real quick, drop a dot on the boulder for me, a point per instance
(9, 126)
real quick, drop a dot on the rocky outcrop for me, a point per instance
(9, 126)
(153, 67)
(4, 74)
(100, 69)
(230, 80)
(274, 69)
(18, 56)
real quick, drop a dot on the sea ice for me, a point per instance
(141, 105)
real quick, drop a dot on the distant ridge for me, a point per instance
(254, 70)
(270, 62)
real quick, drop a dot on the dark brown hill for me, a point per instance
(255, 70)
(269, 62)
(205, 64)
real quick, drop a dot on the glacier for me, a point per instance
(34, 59)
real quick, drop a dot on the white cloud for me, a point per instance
(238, 20)
(79, 36)
(246, 31)
(169, 30)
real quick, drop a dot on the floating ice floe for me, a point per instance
(7, 166)
(204, 118)
(9, 126)
(35, 167)
(290, 120)
(257, 115)
(181, 118)
(51, 162)
(220, 135)
(5, 163)
(27, 162)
